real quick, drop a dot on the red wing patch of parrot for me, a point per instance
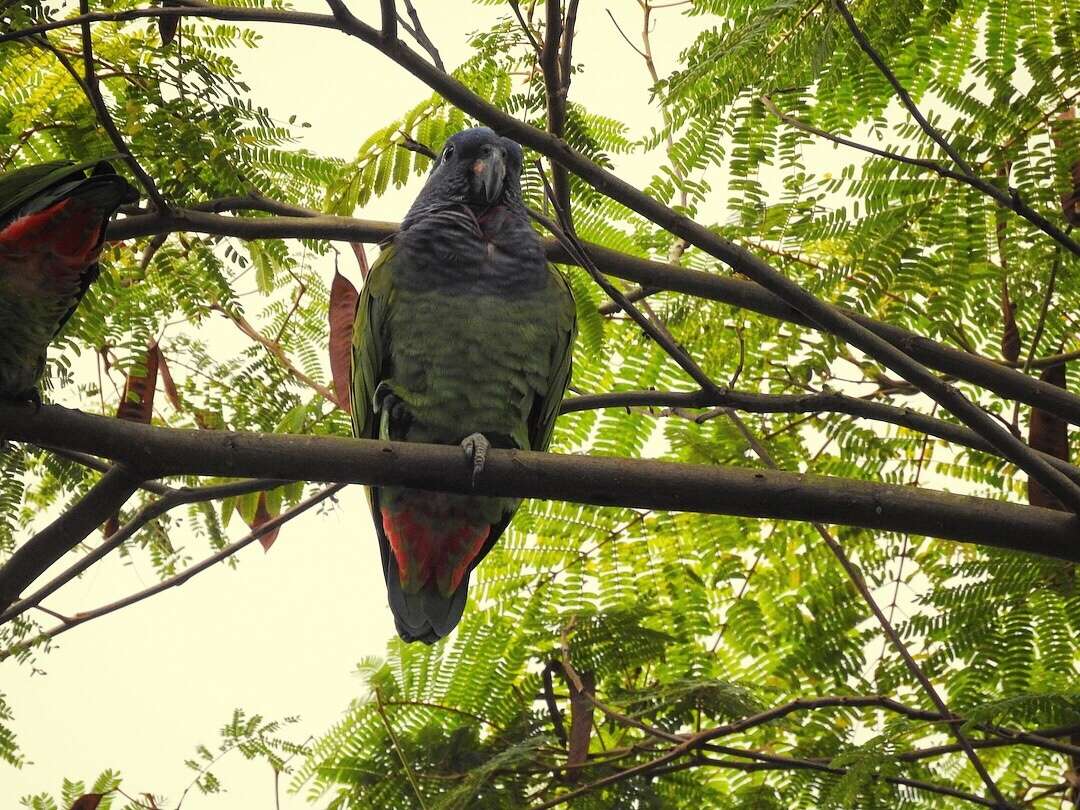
(433, 543)
(52, 226)
(71, 230)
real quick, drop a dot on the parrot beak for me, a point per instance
(489, 173)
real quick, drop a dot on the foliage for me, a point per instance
(685, 621)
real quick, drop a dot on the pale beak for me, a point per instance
(489, 173)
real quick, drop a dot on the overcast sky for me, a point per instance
(281, 635)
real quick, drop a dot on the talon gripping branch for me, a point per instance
(463, 335)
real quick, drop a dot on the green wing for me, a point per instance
(546, 410)
(22, 185)
(370, 342)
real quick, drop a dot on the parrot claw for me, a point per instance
(395, 414)
(475, 446)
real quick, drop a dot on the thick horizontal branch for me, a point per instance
(581, 479)
(999, 378)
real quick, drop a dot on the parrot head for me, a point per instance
(477, 167)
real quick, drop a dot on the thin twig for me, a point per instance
(525, 27)
(73, 526)
(178, 579)
(150, 512)
(663, 337)
(93, 93)
(1010, 199)
(397, 748)
(418, 33)
(279, 354)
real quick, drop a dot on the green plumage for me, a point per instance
(52, 225)
(460, 363)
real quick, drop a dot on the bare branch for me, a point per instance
(418, 33)
(150, 512)
(582, 479)
(830, 401)
(93, 93)
(179, 579)
(100, 466)
(415, 146)
(996, 376)
(555, 86)
(389, 19)
(397, 749)
(67, 531)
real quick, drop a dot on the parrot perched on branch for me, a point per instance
(463, 335)
(52, 225)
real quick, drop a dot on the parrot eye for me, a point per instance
(448, 152)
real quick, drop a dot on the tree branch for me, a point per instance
(67, 531)
(831, 401)
(582, 479)
(302, 224)
(279, 354)
(998, 377)
(178, 579)
(418, 33)
(1008, 200)
(148, 513)
(556, 85)
(93, 92)
(854, 573)
(389, 19)
(823, 314)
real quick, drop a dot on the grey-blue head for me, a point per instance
(476, 167)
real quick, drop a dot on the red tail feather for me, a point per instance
(432, 544)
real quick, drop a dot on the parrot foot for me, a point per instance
(394, 412)
(476, 446)
(31, 396)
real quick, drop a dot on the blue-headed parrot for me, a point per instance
(463, 335)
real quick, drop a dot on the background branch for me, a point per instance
(990, 374)
(1006, 199)
(67, 531)
(177, 580)
(93, 92)
(148, 513)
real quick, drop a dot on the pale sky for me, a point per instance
(137, 690)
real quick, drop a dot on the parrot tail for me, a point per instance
(433, 546)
